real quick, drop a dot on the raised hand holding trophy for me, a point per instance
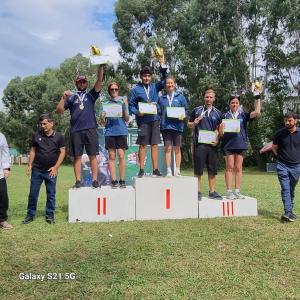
(97, 58)
(257, 89)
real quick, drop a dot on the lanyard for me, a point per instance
(81, 97)
(170, 98)
(147, 91)
(207, 111)
(234, 115)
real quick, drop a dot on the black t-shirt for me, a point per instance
(47, 149)
(288, 146)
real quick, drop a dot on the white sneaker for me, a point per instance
(169, 173)
(238, 195)
(177, 173)
(230, 196)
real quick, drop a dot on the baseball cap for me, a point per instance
(80, 78)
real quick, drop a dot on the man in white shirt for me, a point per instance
(4, 173)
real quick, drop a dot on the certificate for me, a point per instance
(112, 110)
(206, 136)
(147, 108)
(99, 59)
(175, 112)
(232, 125)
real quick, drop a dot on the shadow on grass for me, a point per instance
(268, 214)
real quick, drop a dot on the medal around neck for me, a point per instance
(97, 58)
(81, 106)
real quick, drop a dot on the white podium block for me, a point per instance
(160, 198)
(209, 208)
(101, 205)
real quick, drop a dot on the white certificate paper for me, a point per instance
(175, 112)
(206, 136)
(99, 59)
(232, 125)
(112, 110)
(147, 108)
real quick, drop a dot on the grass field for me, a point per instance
(222, 258)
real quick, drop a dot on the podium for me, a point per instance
(210, 208)
(160, 198)
(101, 205)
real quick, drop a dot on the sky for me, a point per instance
(36, 34)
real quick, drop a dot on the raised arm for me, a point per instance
(99, 82)
(257, 109)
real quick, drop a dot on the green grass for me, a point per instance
(222, 258)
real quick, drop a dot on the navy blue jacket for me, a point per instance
(138, 94)
(172, 123)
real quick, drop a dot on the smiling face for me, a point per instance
(146, 78)
(114, 90)
(170, 85)
(234, 104)
(81, 85)
(209, 98)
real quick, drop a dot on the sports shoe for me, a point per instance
(156, 173)
(177, 173)
(199, 196)
(288, 217)
(122, 184)
(231, 196)
(28, 219)
(5, 225)
(294, 216)
(238, 195)
(50, 219)
(169, 173)
(141, 173)
(114, 184)
(95, 185)
(215, 195)
(77, 185)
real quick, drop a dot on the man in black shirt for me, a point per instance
(286, 146)
(47, 152)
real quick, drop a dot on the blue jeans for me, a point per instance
(37, 178)
(288, 176)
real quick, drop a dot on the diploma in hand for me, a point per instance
(147, 108)
(206, 137)
(112, 110)
(176, 112)
(232, 125)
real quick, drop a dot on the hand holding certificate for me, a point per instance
(232, 125)
(147, 108)
(176, 112)
(112, 110)
(207, 137)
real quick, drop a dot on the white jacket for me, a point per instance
(4, 155)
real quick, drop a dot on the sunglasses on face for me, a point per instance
(113, 90)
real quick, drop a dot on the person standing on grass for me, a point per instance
(116, 133)
(235, 144)
(148, 125)
(286, 147)
(47, 152)
(4, 173)
(206, 118)
(81, 104)
(172, 128)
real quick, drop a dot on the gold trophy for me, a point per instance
(257, 89)
(159, 54)
(95, 50)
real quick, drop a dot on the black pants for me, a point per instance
(3, 200)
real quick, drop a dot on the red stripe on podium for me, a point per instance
(99, 206)
(223, 208)
(228, 209)
(168, 199)
(232, 211)
(104, 205)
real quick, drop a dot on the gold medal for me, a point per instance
(81, 106)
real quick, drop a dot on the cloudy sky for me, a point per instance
(36, 34)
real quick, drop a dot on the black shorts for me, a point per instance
(205, 156)
(172, 137)
(88, 139)
(234, 151)
(116, 142)
(149, 133)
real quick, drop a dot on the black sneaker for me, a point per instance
(156, 173)
(199, 196)
(215, 195)
(77, 185)
(114, 184)
(141, 173)
(95, 184)
(294, 216)
(50, 219)
(122, 184)
(28, 219)
(288, 217)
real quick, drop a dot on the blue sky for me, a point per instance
(36, 34)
